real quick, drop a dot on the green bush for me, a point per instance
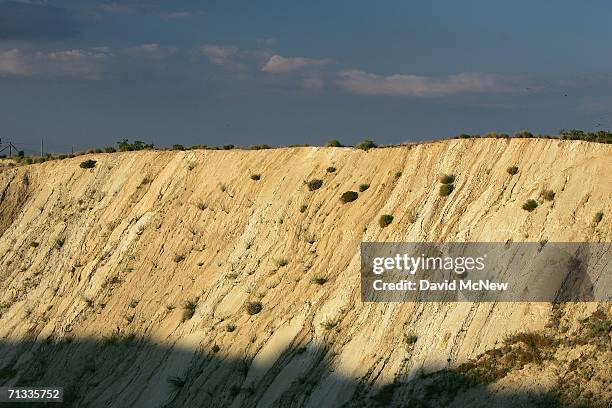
(303, 208)
(230, 327)
(349, 196)
(446, 189)
(333, 143)
(253, 308)
(109, 149)
(530, 205)
(228, 147)
(126, 146)
(548, 195)
(331, 169)
(398, 174)
(59, 242)
(176, 383)
(512, 170)
(255, 177)
(413, 216)
(601, 136)
(366, 145)
(363, 187)
(447, 179)
(189, 308)
(329, 324)
(178, 147)
(598, 217)
(385, 220)
(523, 134)
(259, 147)
(411, 338)
(314, 184)
(319, 280)
(88, 164)
(282, 262)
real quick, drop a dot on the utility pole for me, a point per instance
(10, 149)
(41, 148)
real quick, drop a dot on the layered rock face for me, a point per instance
(138, 282)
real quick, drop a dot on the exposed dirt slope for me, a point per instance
(92, 260)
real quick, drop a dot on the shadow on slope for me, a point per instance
(126, 371)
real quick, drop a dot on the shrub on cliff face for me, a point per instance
(329, 324)
(447, 179)
(446, 189)
(88, 164)
(255, 177)
(331, 169)
(385, 220)
(548, 195)
(253, 308)
(363, 187)
(598, 217)
(314, 184)
(349, 196)
(530, 205)
(319, 280)
(189, 308)
(512, 170)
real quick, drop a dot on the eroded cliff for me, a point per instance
(128, 283)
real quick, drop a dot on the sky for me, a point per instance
(90, 73)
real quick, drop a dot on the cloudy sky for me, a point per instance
(88, 73)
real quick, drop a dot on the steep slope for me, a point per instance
(98, 266)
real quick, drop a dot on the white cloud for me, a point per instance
(363, 83)
(278, 64)
(77, 63)
(153, 51)
(226, 56)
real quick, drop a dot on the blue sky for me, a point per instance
(88, 73)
